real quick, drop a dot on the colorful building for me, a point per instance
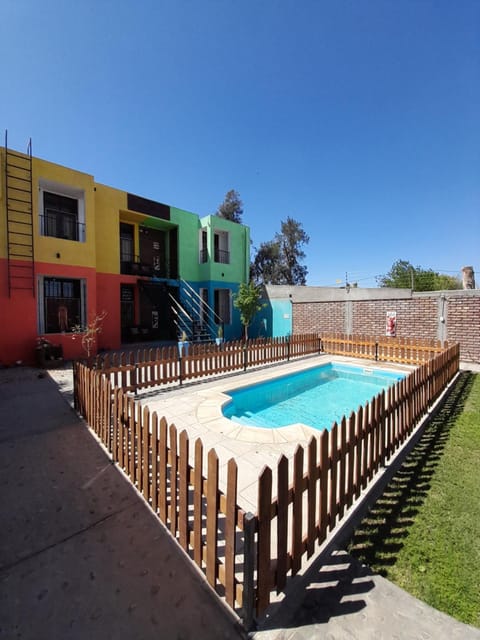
(72, 249)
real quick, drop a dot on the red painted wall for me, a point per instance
(108, 299)
(19, 315)
(18, 323)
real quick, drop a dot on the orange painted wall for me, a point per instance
(19, 315)
(108, 296)
(18, 322)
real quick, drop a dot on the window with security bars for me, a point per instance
(62, 303)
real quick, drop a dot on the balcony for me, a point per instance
(223, 257)
(61, 225)
(137, 267)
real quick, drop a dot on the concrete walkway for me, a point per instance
(81, 556)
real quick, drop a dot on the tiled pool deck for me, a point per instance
(196, 407)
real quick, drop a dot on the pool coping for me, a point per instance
(196, 408)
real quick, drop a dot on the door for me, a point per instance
(127, 310)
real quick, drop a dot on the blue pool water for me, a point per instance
(316, 397)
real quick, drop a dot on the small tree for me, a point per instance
(88, 333)
(247, 301)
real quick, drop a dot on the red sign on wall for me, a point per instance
(391, 324)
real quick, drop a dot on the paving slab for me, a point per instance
(81, 554)
(340, 599)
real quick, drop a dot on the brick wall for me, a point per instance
(310, 317)
(453, 316)
(463, 326)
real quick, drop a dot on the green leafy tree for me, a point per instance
(279, 260)
(231, 207)
(404, 275)
(247, 301)
(266, 266)
(291, 239)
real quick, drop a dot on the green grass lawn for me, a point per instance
(424, 531)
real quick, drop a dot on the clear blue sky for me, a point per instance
(359, 119)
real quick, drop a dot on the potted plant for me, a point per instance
(219, 338)
(183, 345)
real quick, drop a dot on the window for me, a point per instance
(222, 306)
(127, 308)
(126, 247)
(221, 249)
(203, 246)
(62, 304)
(62, 212)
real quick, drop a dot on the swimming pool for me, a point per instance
(316, 397)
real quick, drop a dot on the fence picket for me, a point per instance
(323, 489)
(212, 517)
(154, 459)
(183, 491)
(264, 577)
(230, 528)
(131, 439)
(297, 510)
(198, 504)
(351, 460)
(343, 467)
(333, 447)
(312, 496)
(163, 472)
(282, 522)
(146, 453)
(359, 451)
(173, 513)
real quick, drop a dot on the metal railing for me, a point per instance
(64, 226)
(221, 256)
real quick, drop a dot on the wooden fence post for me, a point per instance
(264, 566)
(248, 604)
(212, 518)
(180, 369)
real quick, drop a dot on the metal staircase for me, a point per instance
(193, 315)
(19, 209)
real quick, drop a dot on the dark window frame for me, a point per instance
(60, 216)
(63, 302)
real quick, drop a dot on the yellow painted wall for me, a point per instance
(71, 252)
(108, 203)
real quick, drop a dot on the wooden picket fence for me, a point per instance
(147, 368)
(249, 557)
(207, 522)
(339, 465)
(382, 349)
